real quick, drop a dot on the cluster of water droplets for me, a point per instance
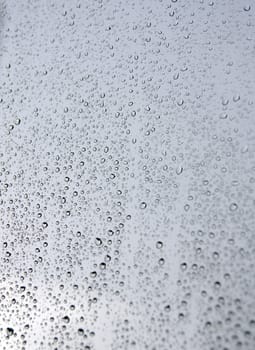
(127, 170)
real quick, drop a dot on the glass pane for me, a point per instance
(127, 169)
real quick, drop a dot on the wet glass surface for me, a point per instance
(127, 170)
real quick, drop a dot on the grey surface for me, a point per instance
(127, 170)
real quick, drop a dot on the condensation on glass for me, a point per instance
(127, 170)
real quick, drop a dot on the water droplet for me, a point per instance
(247, 8)
(179, 170)
(143, 205)
(66, 319)
(233, 207)
(159, 244)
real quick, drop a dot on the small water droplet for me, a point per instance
(179, 170)
(247, 8)
(233, 207)
(143, 205)
(159, 244)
